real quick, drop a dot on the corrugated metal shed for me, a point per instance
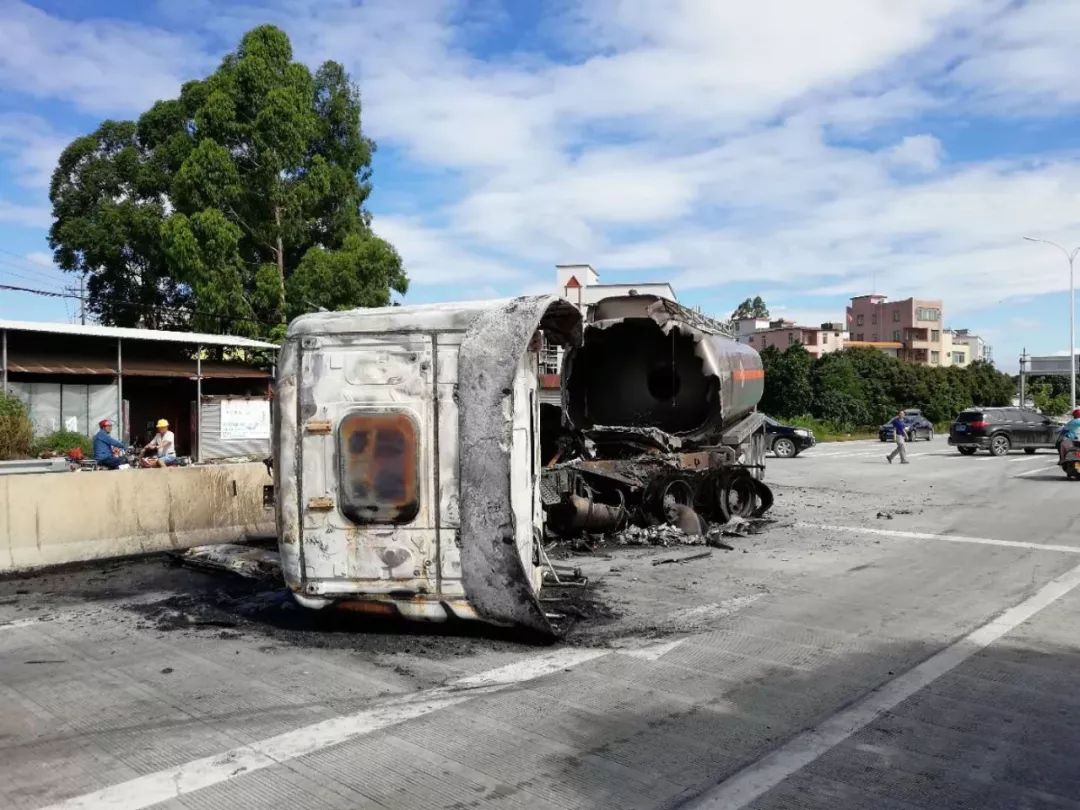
(78, 330)
(135, 367)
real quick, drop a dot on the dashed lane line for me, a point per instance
(952, 538)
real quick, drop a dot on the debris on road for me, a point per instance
(667, 560)
(246, 561)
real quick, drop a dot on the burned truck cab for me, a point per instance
(407, 458)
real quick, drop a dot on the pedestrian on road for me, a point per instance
(899, 427)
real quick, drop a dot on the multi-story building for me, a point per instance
(977, 348)
(818, 340)
(917, 324)
(954, 352)
(745, 327)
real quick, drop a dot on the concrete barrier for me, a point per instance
(55, 518)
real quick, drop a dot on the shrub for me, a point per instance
(62, 442)
(16, 429)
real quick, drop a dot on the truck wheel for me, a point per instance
(784, 448)
(967, 451)
(1000, 445)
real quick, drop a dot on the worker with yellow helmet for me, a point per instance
(164, 442)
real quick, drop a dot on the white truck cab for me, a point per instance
(384, 418)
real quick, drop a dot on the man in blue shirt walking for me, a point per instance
(104, 444)
(899, 427)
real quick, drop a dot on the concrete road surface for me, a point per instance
(903, 637)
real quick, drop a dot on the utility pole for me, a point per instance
(82, 299)
(1071, 257)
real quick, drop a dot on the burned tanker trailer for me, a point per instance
(658, 419)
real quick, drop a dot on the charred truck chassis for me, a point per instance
(657, 402)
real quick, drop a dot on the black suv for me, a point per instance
(786, 441)
(1000, 430)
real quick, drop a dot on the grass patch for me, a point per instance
(825, 431)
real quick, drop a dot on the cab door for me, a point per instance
(367, 461)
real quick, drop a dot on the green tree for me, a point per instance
(234, 206)
(839, 396)
(788, 391)
(751, 308)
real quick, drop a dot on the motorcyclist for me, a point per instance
(1070, 434)
(108, 452)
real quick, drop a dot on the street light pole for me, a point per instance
(1071, 257)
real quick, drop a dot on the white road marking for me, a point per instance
(153, 788)
(952, 538)
(18, 623)
(654, 651)
(1028, 457)
(1038, 470)
(769, 771)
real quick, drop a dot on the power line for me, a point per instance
(138, 305)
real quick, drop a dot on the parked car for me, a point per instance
(1000, 430)
(918, 427)
(786, 441)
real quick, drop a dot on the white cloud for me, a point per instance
(40, 258)
(101, 65)
(710, 143)
(921, 153)
(30, 148)
(433, 257)
(28, 216)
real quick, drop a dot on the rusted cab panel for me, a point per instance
(383, 418)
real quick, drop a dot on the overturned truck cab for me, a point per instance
(407, 458)
(409, 475)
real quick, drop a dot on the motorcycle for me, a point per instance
(1070, 461)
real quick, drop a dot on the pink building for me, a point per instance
(914, 323)
(818, 340)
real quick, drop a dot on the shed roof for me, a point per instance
(127, 333)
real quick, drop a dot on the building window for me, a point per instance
(935, 335)
(751, 338)
(549, 360)
(824, 337)
(935, 357)
(896, 316)
(379, 461)
(875, 337)
(927, 314)
(873, 318)
(859, 320)
(896, 335)
(791, 339)
(858, 336)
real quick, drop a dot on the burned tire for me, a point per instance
(1029, 450)
(736, 496)
(784, 448)
(1000, 445)
(967, 451)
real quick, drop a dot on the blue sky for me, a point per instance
(806, 152)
